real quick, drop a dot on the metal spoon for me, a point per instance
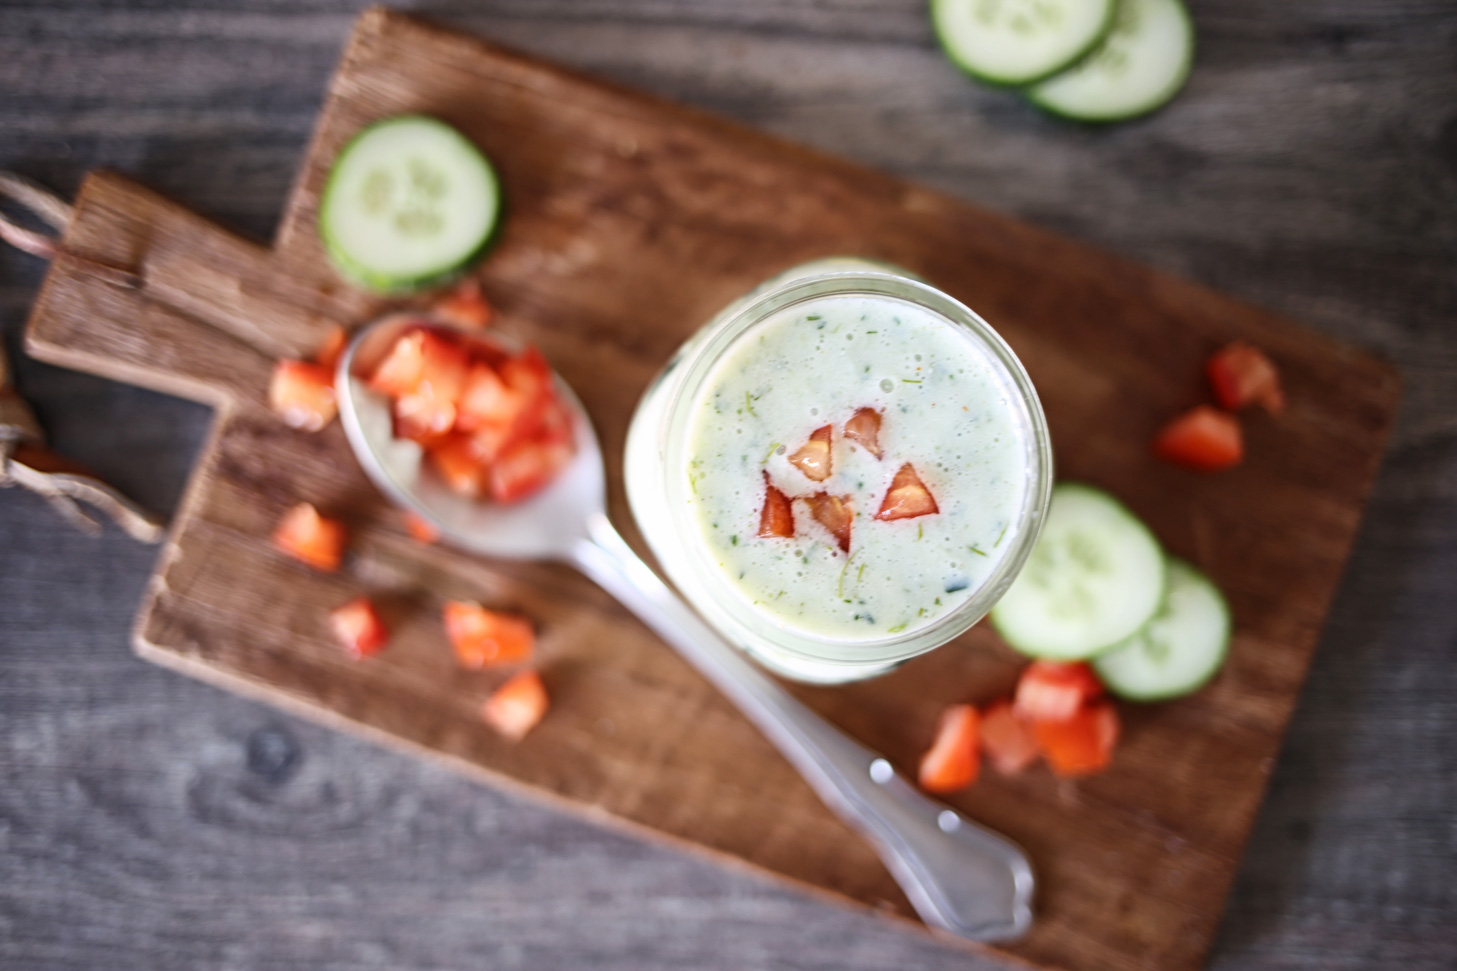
(960, 877)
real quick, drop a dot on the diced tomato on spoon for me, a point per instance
(907, 497)
(863, 428)
(482, 637)
(1055, 691)
(953, 761)
(454, 460)
(1204, 439)
(517, 706)
(813, 457)
(776, 519)
(310, 538)
(1241, 374)
(358, 627)
(833, 513)
(526, 468)
(400, 371)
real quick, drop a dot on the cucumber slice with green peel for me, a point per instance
(1142, 63)
(1013, 42)
(410, 201)
(1095, 577)
(1176, 652)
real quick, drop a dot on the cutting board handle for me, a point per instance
(208, 311)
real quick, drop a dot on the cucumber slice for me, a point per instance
(1096, 575)
(1019, 41)
(1177, 651)
(410, 201)
(1143, 63)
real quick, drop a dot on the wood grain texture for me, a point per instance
(1317, 909)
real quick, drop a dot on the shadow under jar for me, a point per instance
(725, 423)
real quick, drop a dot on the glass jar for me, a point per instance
(658, 484)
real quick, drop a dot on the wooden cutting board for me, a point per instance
(630, 222)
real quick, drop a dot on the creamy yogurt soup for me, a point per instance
(944, 408)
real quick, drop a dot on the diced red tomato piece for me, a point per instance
(1204, 439)
(953, 761)
(863, 428)
(487, 401)
(331, 348)
(833, 513)
(358, 627)
(1054, 691)
(517, 706)
(465, 306)
(556, 422)
(421, 529)
(907, 497)
(431, 407)
(526, 468)
(1006, 739)
(777, 517)
(813, 457)
(1242, 375)
(310, 538)
(483, 637)
(454, 459)
(1082, 744)
(400, 371)
(302, 394)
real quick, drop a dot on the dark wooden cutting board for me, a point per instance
(630, 222)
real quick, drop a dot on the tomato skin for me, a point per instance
(482, 637)
(953, 761)
(517, 706)
(776, 519)
(1006, 739)
(813, 458)
(1241, 375)
(310, 538)
(1203, 438)
(907, 497)
(359, 628)
(526, 468)
(1055, 691)
(1082, 744)
(863, 428)
(302, 394)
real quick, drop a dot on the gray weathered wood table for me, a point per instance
(147, 821)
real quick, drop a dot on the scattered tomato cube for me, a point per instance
(1204, 439)
(1082, 744)
(953, 761)
(863, 428)
(421, 529)
(310, 538)
(1055, 691)
(1006, 739)
(302, 394)
(483, 637)
(454, 459)
(515, 708)
(465, 306)
(907, 497)
(358, 627)
(777, 517)
(1242, 375)
(400, 371)
(833, 513)
(526, 468)
(813, 457)
(331, 348)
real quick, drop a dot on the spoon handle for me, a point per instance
(959, 876)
